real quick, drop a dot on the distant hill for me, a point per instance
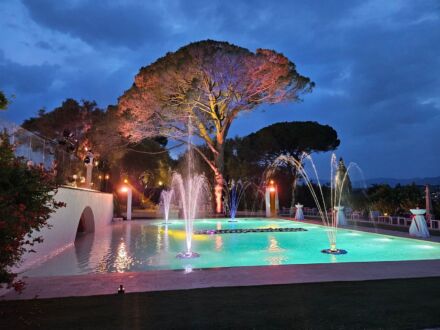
(393, 182)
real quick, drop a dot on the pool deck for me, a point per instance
(162, 280)
(101, 284)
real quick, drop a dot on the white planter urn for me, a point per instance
(418, 226)
(340, 216)
(299, 214)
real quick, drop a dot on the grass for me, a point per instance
(389, 304)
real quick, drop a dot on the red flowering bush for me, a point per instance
(26, 202)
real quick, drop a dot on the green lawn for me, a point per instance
(391, 304)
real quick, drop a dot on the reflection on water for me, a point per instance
(123, 260)
(159, 238)
(149, 245)
(166, 239)
(273, 247)
(275, 260)
(384, 239)
(218, 242)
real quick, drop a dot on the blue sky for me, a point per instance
(376, 63)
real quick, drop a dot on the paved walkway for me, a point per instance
(100, 284)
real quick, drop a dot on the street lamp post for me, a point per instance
(128, 191)
(88, 161)
(106, 178)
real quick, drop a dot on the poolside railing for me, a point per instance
(374, 217)
(45, 153)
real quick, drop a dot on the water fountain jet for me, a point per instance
(336, 188)
(165, 197)
(189, 190)
(234, 192)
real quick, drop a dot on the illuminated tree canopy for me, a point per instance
(212, 82)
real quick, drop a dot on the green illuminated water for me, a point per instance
(150, 245)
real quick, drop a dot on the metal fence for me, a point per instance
(46, 153)
(375, 218)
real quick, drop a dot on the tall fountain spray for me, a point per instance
(234, 192)
(189, 190)
(337, 184)
(165, 197)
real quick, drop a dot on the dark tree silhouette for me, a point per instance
(3, 101)
(294, 138)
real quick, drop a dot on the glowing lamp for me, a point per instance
(124, 189)
(125, 181)
(272, 189)
(160, 183)
(96, 163)
(107, 176)
(100, 177)
(271, 182)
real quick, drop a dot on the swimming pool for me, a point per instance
(150, 245)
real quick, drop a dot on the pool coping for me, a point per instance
(163, 280)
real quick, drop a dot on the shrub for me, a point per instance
(26, 202)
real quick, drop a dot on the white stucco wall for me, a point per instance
(65, 222)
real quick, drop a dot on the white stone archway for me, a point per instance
(93, 208)
(86, 222)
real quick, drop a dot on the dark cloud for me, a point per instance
(44, 45)
(112, 23)
(375, 63)
(26, 79)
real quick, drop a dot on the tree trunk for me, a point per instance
(218, 176)
(294, 174)
(218, 192)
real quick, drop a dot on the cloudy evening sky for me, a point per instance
(376, 64)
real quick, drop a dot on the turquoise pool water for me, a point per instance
(150, 245)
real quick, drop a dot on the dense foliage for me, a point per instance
(76, 126)
(3, 101)
(292, 138)
(26, 202)
(210, 82)
(396, 201)
(249, 156)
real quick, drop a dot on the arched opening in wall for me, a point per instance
(86, 222)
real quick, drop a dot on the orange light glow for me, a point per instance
(218, 199)
(125, 180)
(124, 189)
(272, 189)
(272, 182)
(107, 176)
